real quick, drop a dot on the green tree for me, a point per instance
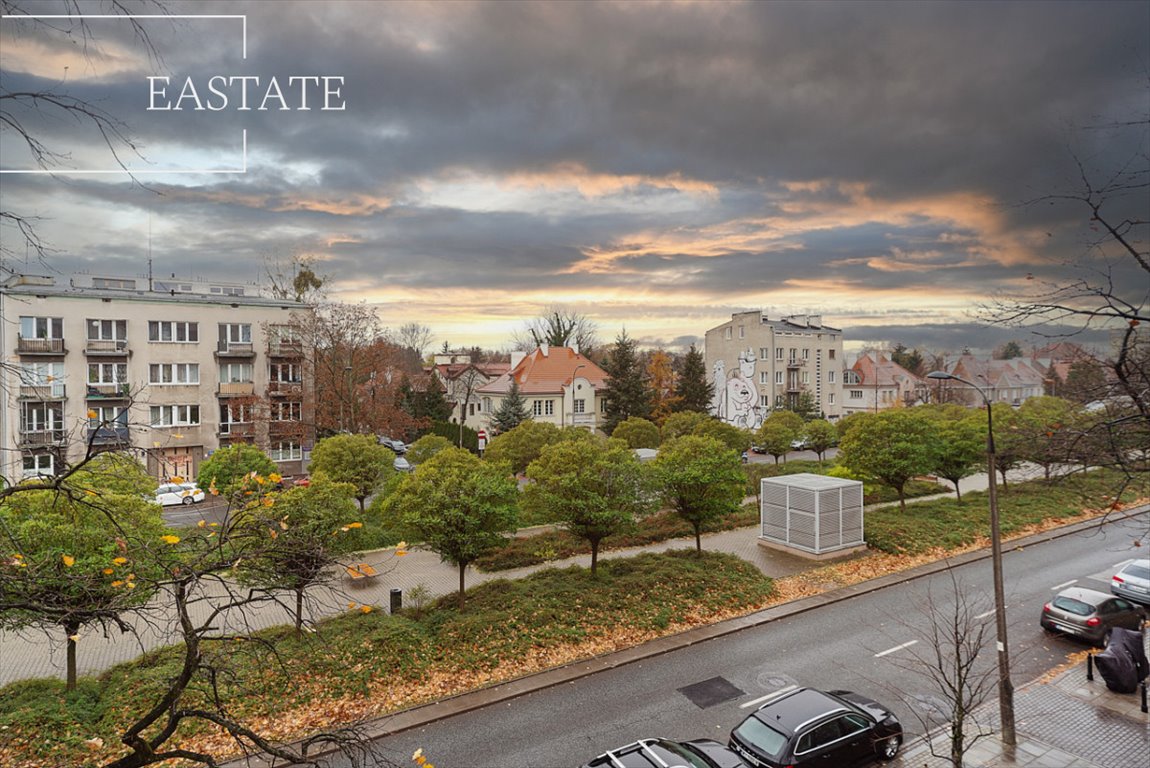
(701, 479)
(820, 435)
(910, 360)
(961, 443)
(693, 388)
(637, 433)
(625, 390)
(310, 525)
(1009, 438)
(1008, 351)
(523, 444)
(593, 488)
(735, 438)
(1050, 429)
(227, 468)
(891, 446)
(79, 555)
(1085, 381)
(459, 506)
(358, 460)
(431, 402)
(805, 406)
(512, 411)
(683, 423)
(426, 447)
(775, 437)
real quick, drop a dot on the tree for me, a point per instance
(459, 506)
(522, 445)
(661, 376)
(72, 560)
(775, 436)
(701, 479)
(637, 433)
(416, 337)
(820, 435)
(559, 327)
(910, 360)
(1085, 381)
(805, 406)
(961, 443)
(426, 447)
(1008, 351)
(593, 488)
(694, 390)
(296, 280)
(734, 438)
(311, 525)
(465, 385)
(358, 460)
(625, 391)
(683, 423)
(512, 411)
(1047, 427)
(227, 468)
(892, 446)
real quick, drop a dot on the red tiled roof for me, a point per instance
(547, 374)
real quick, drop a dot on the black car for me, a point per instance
(806, 727)
(661, 753)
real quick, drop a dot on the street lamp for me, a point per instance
(1005, 687)
(563, 406)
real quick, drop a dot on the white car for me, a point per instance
(171, 494)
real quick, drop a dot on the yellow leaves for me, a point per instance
(283, 523)
(74, 638)
(365, 609)
(119, 560)
(420, 759)
(273, 533)
(117, 583)
(268, 501)
(91, 414)
(177, 479)
(201, 524)
(109, 571)
(355, 525)
(401, 549)
(275, 477)
(69, 561)
(17, 561)
(170, 539)
(351, 606)
(212, 489)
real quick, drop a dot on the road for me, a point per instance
(859, 643)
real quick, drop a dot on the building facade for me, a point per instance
(558, 385)
(875, 382)
(173, 369)
(758, 364)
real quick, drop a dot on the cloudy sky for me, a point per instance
(654, 165)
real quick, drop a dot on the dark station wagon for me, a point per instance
(806, 727)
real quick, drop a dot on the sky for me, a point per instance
(655, 166)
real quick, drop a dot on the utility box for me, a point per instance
(812, 515)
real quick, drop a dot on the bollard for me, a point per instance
(1144, 696)
(1090, 667)
(396, 600)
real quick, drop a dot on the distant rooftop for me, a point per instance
(142, 287)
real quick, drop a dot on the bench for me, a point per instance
(361, 573)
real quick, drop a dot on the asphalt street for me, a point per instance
(865, 643)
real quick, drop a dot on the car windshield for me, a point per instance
(682, 750)
(765, 738)
(1137, 570)
(1071, 605)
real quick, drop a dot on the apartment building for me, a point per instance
(172, 368)
(759, 364)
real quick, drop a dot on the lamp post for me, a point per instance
(563, 407)
(1005, 687)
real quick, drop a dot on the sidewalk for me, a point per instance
(1067, 722)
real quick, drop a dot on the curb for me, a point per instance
(460, 703)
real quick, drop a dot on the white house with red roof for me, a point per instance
(558, 384)
(875, 382)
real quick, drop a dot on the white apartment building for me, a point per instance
(758, 364)
(172, 368)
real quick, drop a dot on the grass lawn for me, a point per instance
(362, 665)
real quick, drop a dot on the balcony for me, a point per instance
(40, 346)
(106, 348)
(285, 388)
(237, 389)
(108, 392)
(234, 350)
(237, 429)
(285, 348)
(796, 362)
(108, 434)
(32, 438)
(42, 392)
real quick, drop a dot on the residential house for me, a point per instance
(461, 379)
(874, 382)
(1004, 381)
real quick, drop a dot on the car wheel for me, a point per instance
(888, 747)
(1105, 641)
(189, 500)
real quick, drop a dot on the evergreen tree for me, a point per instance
(693, 388)
(431, 402)
(511, 412)
(626, 391)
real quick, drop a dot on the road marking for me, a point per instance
(1116, 566)
(896, 648)
(1064, 584)
(777, 693)
(984, 615)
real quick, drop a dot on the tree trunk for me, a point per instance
(594, 556)
(299, 611)
(362, 499)
(957, 748)
(462, 568)
(957, 492)
(71, 628)
(698, 539)
(901, 499)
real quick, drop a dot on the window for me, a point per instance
(830, 377)
(286, 450)
(236, 333)
(42, 327)
(162, 286)
(830, 398)
(855, 394)
(174, 373)
(107, 373)
(830, 354)
(579, 405)
(39, 465)
(234, 413)
(471, 409)
(548, 407)
(779, 378)
(227, 290)
(284, 334)
(603, 405)
(778, 353)
(778, 401)
(793, 354)
(107, 330)
(765, 401)
(806, 377)
(107, 415)
(806, 354)
(41, 417)
(236, 373)
(114, 282)
(727, 333)
(175, 415)
(537, 407)
(174, 331)
(288, 373)
(742, 332)
(287, 411)
(42, 375)
(763, 377)
(764, 353)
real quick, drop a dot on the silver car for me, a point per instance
(1133, 581)
(1089, 614)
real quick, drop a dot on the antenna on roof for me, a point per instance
(150, 288)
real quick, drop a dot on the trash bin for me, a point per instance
(396, 600)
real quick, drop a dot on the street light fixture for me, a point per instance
(1005, 687)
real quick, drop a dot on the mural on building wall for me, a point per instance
(736, 401)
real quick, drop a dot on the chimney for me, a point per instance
(545, 348)
(574, 346)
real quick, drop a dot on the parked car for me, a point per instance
(660, 753)
(759, 448)
(1133, 581)
(1089, 614)
(402, 465)
(397, 446)
(171, 494)
(798, 445)
(808, 727)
